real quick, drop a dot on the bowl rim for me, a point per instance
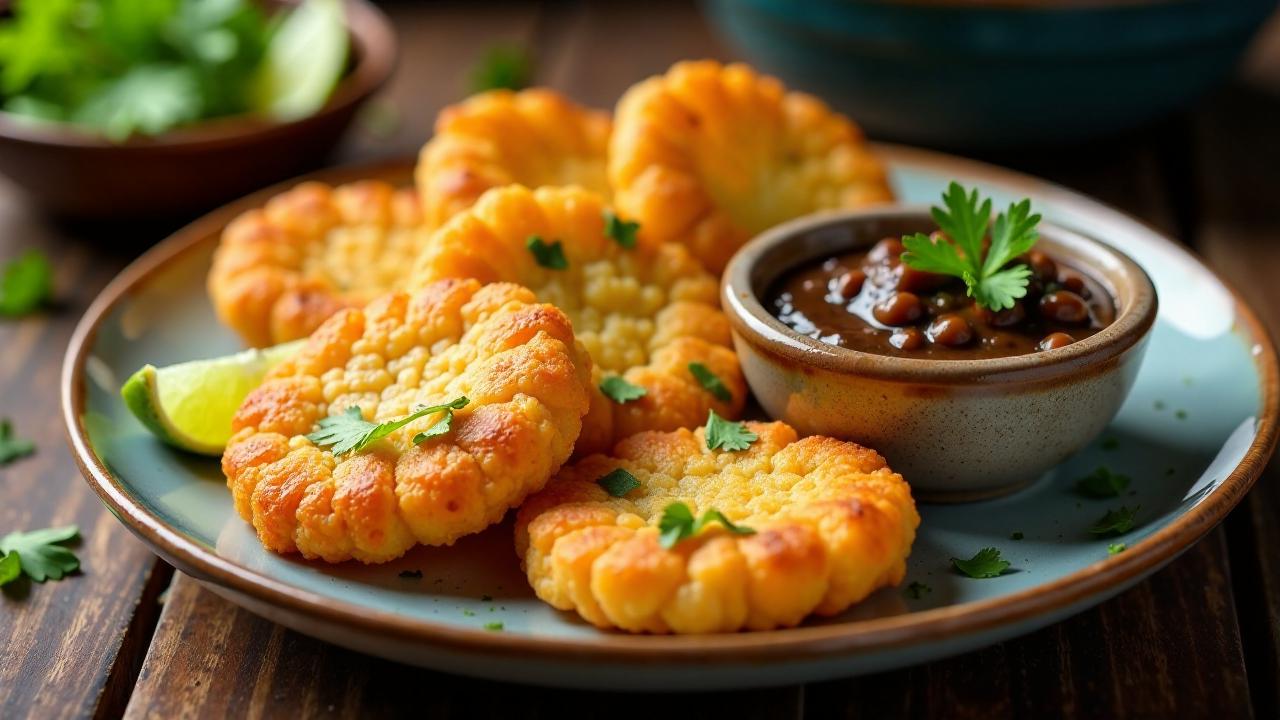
(371, 35)
(1135, 311)
(796, 644)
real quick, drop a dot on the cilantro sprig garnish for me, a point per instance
(502, 67)
(965, 221)
(1115, 522)
(620, 391)
(11, 447)
(549, 255)
(677, 523)
(618, 482)
(38, 554)
(710, 382)
(987, 563)
(621, 231)
(726, 434)
(350, 432)
(25, 283)
(1116, 548)
(1102, 483)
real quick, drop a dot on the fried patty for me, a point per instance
(532, 137)
(514, 358)
(832, 524)
(711, 155)
(283, 269)
(645, 312)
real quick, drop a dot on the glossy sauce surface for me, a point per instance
(871, 301)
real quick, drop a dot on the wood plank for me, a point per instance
(69, 648)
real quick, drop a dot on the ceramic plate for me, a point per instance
(1193, 435)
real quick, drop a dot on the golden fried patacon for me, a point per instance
(712, 154)
(283, 269)
(644, 311)
(514, 360)
(532, 137)
(831, 523)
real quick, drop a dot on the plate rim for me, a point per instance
(818, 642)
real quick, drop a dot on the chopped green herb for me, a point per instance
(350, 432)
(469, 613)
(12, 448)
(1016, 536)
(959, 253)
(620, 391)
(414, 574)
(10, 568)
(25, 283)
(985, 564)
(1115, 522)
(1102, 483)
(493, 626)
(622, 231)
(677, 523)
(917, 590)
(618, 482)
(548, 255)
(1110, 443)
(1180, 414)
(726, 434)
(502, 67)
(710, 382)
(40, 554)
(1116, 548)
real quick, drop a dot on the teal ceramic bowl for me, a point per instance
(994, 73)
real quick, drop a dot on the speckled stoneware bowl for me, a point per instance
(956, 429)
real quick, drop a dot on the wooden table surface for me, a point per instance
(129, 636)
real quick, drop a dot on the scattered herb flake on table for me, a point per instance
(12, 447)
(987, 563)
(40, 553)
(25, 283)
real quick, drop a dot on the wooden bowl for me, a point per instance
(70, 172)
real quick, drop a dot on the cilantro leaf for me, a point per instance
(12, 448)
(677, 523)
(726, 434)
(1102, 483)
(1115, 522)
(710, 382)
(1116, 548)
(39, 554)
(26, 282)
(502, 67)
(618, 483)
(493, 626)
(987, 563)
(622, 231)
(917, 590)
(351, 432)
(958, 252)
(10, 567)
(148, 99)
(620, 391)
(548, 255)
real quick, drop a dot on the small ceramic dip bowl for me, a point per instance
(956, 429)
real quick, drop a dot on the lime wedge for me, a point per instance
(303, 63)
(190, 405)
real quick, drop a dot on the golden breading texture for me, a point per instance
(644, 313)
(833, 523)
(533, 137)
(710, 155)
(515, 359)
(283, 269)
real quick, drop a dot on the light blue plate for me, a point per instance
(1193, 435)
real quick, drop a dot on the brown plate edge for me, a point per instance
(802, 643)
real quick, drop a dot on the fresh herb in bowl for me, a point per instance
(119, 68)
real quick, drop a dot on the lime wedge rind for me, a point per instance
(304, 61)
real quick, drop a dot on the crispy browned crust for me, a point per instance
(710, 154)
(282, 270)
(833, 523)
(514, 358)
(644, 313)
(532, 137)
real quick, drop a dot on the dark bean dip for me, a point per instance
(871, 301)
